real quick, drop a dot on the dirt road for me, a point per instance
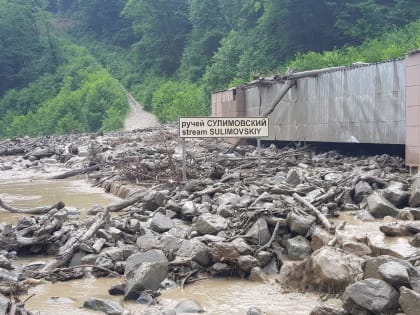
(137, 117)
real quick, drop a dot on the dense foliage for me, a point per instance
(171, 54)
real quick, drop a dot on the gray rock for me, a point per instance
(300, 223)
(189, 210)
(161, 223)
(209, 224)
(5, 263)
(298, 248)
(379, 207)
(415, 241)
(372, 265)
(170, 244)
(272, 267)
(136, 260)
(146, 242)
(104, 262)
(196, 250)
(294, 178)
(263, 257)
(396, 194)
(394, 273)
(4, 304)
(189, 306)
(370, 295)
(254, 311)
(258, 275)
(415, 192)
(95, 210)
(319, 238)
(146, 299)
(228, 199)
(356, 248)
(108, 307)
(148, 276)
(259, 232)
(89, 259)
(117, 289)
(409, 301)
(113, 253)
(246, 263)
(76, 259)
(361, 190)
(221, 270)
(365, 216)
(327, 310)
(153, 200)
(415, 212)
(242, 246)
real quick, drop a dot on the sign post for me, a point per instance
(221, 127)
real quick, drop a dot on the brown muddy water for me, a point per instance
(232, 296)
(74, 193)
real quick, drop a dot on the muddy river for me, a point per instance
(232, 296)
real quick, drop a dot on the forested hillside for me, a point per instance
(65, 65)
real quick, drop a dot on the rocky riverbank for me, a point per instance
(255, 215)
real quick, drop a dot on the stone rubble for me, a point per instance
(222, 220)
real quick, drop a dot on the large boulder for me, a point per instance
(415, 192)
(409, 301)
(327, 269)
(299, 223)
(247, 262)
(144, 271)
(372, 269)
(361, 190)
(259, 232)
(161, 223)
(379, 207)
(298, 247)
(209, 224)
(108, 307)
(370, 296)
(394, 273)
(396, 194)
(196, 251)
(242, 246)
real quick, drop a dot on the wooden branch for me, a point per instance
(39, 210)
(77, 172)
(124, 204)
(318, 213)
(278, 98)
(400, 229)
(268, 244)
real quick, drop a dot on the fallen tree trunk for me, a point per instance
(39, 210)
(318, 213)
(77, 172)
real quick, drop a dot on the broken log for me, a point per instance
(77, 172)
(400, 229)
(327, 225)
(39, 210)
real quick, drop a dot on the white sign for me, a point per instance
(223, 127)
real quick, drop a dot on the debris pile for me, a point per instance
(249, 214)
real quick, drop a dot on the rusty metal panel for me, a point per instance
(364, 104)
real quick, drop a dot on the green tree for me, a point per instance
(163, 29)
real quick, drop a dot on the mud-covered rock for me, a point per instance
(108, 307)
(379, 207)
(409, 301)
(370, 295)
